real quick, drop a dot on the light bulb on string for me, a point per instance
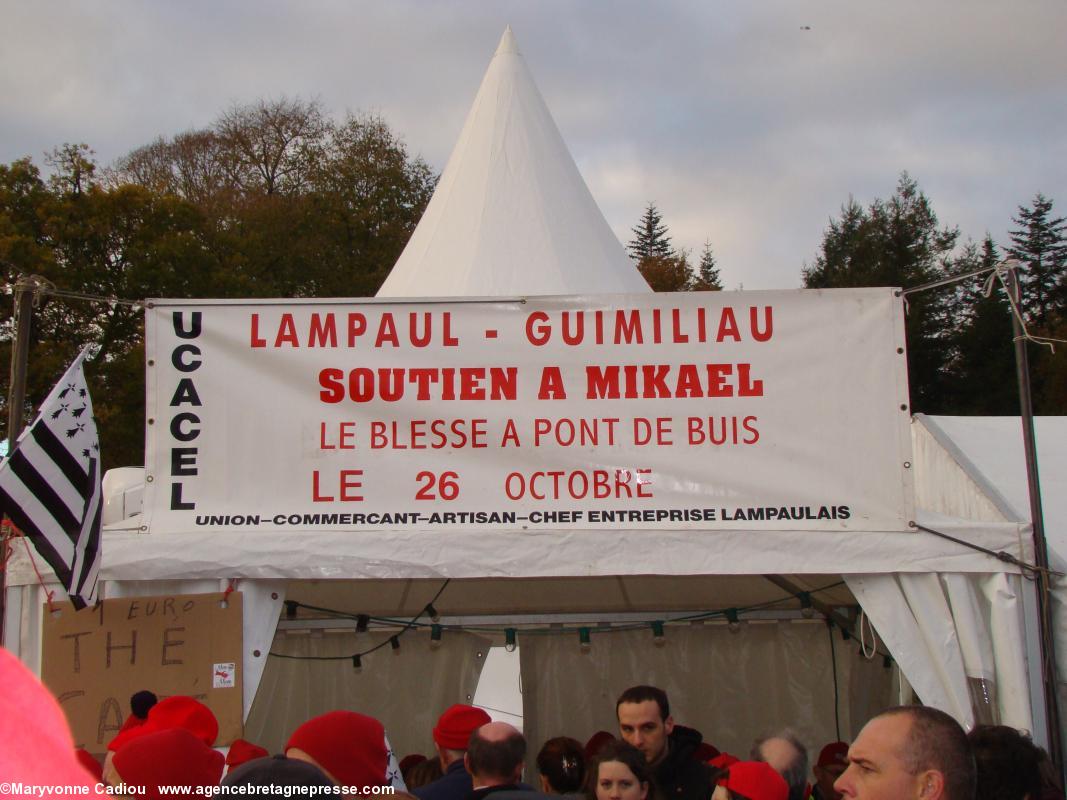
(357, 663)
(584, 642)
(807, 610)
(658, 639)
(733, 622)
(435, 637)
(510, 639)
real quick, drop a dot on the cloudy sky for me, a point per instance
(749, 124)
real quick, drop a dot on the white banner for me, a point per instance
(752, 410)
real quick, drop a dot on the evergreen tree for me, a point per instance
(707, 279)
(897, 242)
(650, 237)
(1040, 242)
(983, 380)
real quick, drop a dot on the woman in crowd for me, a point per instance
(561, 763)
(618, 772)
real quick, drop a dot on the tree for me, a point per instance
(707, 279)
(273, 200)
(670, 273)
(1040, 242)
(123, 243)
(897, 242)
(650, 237)
(983, 373)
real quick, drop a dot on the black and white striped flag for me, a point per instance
(50, 485)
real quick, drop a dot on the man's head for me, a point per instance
(909, 753)
(645, 720)
(787, 754)
(1007, 763)
(831, 764)
(453, 731)
(495, 755)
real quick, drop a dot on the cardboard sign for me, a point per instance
(697, 410)
(93, 660)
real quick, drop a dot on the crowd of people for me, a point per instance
(905, 753)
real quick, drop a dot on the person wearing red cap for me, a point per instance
(351, 748)
(241, 752)
(36, 747)
(166, 758)
(178, 711)
(450, 737)
(751, 780)
(832, 762)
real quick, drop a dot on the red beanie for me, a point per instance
(174, 712)
(833, 753)
(723, 760)
(241, 751)
(756, 780)
(37, 746)
(351, 747)
(455, 726)
(172, 757)
(89, 762)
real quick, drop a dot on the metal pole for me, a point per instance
(1026, 414)
(26, 288)
(25, 291)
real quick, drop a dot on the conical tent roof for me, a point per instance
(511, 214)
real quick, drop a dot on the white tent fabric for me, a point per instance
(982, 472)
(511, 214)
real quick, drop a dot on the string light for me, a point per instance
(658, 627)
(431, 612)
(658, 639)
(357, 663)
(807, 610)
(733, 622)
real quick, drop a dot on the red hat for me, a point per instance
(723, 760)
(241, 751)
(351, 747)
(171, 757)
(455, 726)
(89, 762)
(833, 753)
(596, 743)
(37, 745)
(174, 712)
(756, 780)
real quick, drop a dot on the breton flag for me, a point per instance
(50, 485)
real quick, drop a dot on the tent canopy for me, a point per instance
(511, 214)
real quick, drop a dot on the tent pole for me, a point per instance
(1026, 414)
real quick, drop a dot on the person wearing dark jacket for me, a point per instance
(646, 723)
(450, 737)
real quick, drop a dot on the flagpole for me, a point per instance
(26, 288)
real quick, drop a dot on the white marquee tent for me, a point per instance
(511, 215)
